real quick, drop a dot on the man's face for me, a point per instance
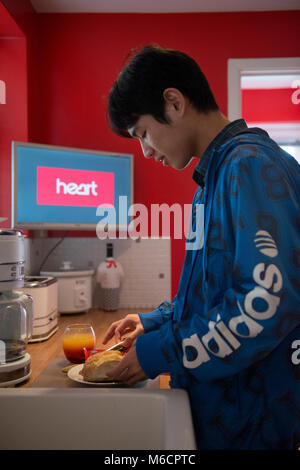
(166, 143)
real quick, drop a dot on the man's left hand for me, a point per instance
(129, 370)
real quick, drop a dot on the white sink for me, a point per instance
(93, 418)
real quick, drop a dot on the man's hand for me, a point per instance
(128, 370)
(132, 323)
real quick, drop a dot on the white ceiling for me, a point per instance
(160, 6)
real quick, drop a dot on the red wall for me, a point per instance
(23, 15)
(13, 113)
(271, 105)
(80, 55)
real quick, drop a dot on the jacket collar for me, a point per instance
(229, 131)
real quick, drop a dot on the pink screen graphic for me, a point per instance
(68, 187)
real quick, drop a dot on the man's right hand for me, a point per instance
(117, 329)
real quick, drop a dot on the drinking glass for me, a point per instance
(77, 337)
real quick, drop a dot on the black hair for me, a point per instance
(139, 87)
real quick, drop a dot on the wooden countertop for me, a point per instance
(43, 352)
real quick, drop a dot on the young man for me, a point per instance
(231, 334)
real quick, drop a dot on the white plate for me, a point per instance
(74, 374)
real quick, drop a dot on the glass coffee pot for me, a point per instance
(13, 325)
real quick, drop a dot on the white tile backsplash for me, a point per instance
(146, 264)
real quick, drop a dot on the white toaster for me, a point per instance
(44, 293)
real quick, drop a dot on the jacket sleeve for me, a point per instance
(154, 320)
(261, 306)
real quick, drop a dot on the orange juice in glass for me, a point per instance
(76, 337)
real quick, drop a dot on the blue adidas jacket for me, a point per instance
(231, 336)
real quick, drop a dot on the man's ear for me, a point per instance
(175, 102)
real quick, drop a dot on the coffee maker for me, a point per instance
(15, 310)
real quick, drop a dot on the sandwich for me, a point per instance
(97, 365)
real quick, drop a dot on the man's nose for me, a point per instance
(147, 150)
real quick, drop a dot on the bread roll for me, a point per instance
(96, 366)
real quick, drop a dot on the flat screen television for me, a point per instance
(63, 188)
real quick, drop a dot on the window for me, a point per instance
(266, 93)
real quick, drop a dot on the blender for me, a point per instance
(14, 305)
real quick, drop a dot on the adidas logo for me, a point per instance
(259, 304)
(265, 243)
